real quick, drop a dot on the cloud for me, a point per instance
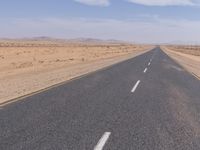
(164, 2)
(144, 2)
(94, 2)
(152, 30)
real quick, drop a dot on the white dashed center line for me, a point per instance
(149, 64)
(145, 70)
(135, 86)
(102, 141)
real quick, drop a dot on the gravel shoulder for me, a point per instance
(188, 61)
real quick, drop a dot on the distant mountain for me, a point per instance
(41, 38)
(75, 40)
(45, 38)
(181, 43)
(93, 40)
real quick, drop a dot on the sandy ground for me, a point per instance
(27, 67)
(188, 57)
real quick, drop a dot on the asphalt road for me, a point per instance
(145, 103)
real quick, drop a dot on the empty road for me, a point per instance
(145, 103)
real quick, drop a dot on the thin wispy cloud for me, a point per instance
(94, 2)
(143, 2)
(165, 2)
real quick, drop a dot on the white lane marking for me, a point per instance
(145, 70)
(149, 63)
(135, 86)
(102, 141)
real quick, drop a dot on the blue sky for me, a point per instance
(131, 20)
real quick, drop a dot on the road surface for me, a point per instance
(145, 103)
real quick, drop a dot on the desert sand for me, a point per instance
(187, 56)
(30, 66)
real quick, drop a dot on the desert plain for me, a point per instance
(28, 66)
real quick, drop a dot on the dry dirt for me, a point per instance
(187, 56)
(27, 67)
